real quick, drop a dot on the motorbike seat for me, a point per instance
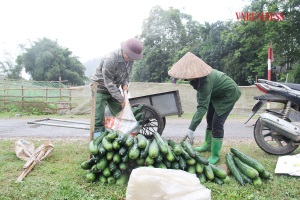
(293, 86)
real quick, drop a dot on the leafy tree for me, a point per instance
(295, 74)
(45, 60)
(213, 48)
(9, 69)
(239, 48)
(286, 35)
(166, 33)
(246, 51)
(248, 41)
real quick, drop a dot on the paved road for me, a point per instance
(19, 127)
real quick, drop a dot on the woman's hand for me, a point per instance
(190, 136)
(123, 104)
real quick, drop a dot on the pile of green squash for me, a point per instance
(245, 169)
(113, 155)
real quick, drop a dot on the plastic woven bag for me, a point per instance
(124, 121)
(165, 184)
(289, 164)
(24, 149)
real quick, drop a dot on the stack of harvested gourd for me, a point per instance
(115, 154)
(138, 113)
(246, 169)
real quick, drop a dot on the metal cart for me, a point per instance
(156, 107)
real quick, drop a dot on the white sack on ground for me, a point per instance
(288, 165)
(165, 184)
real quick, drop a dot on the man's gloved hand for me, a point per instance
(190, 136)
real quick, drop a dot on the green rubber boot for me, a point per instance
(207, 142)
(216, 145)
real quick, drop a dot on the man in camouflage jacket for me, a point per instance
(113, 73)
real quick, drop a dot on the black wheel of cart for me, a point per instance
(151, 121)
(164, 119)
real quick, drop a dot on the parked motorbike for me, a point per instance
(276, 131)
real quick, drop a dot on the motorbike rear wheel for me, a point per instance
(272, 142)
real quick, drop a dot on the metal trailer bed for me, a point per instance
(156, 107)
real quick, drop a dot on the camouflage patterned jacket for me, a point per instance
(112, 73)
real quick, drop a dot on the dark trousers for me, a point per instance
(215, 123)
(103, 99)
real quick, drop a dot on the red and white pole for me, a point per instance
(270, 60)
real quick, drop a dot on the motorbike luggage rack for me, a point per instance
(270, 97)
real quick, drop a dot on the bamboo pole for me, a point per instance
(22, 97)
(37, 81)
(28, 88)
(46, 94)
(70, 93)
(70, 99)
(60, 88)
(93, 105)
(4, 87)
(44, 97)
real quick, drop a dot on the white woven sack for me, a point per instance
(165, 184)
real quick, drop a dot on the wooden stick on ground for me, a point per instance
(34, 160)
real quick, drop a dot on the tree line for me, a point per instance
(238, 47)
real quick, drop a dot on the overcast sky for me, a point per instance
(91, 28)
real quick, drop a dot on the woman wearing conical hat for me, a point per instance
(216, 95)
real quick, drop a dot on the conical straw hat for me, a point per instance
(189, 67)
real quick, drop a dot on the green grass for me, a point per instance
(60, 176)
